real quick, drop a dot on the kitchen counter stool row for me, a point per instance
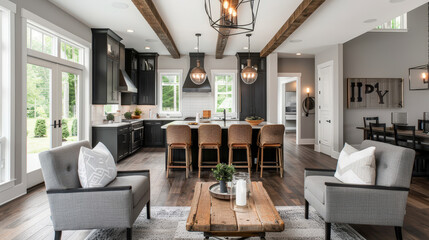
(210, 137)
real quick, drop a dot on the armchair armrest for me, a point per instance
(365, 204)
(144, 172)
(88, 208)
(318, 172)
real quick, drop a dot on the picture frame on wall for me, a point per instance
(375, 93)
(414, 78)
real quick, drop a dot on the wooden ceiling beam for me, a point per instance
(149, 12)
(222, 39)
(304, 10)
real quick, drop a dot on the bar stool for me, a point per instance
(240, 137)
(271, 136)
(209, 137)
(179, 137)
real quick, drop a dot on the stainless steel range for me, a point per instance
(136, 134)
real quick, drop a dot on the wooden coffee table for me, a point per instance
(215, 217)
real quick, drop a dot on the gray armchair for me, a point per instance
(381, 204)
(74, 208)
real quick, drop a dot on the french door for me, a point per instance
(53, 106)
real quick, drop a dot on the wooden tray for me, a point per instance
(215, 192)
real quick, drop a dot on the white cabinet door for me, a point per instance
(325, 108)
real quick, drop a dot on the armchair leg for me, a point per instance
(148, 210)
(58, 235)
(129, 233)
(306, 209)
(327, 231)
(398, 233)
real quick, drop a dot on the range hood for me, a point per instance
(188, 85)
(125, 83)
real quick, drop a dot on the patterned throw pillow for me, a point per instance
(356, 167)
(96, 167)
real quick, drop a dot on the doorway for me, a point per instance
(53, 106)
(289, 106)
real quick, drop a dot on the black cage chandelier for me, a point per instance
(232, 17)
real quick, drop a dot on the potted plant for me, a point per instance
(137, 113)
(127, 115)
(223, 173)
(254, 120)
(110, 117)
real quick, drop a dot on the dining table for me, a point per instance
(420, 135)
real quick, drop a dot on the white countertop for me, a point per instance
(220, 123)
(113, 125)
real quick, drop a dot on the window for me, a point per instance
(71, 52)
(110, 109)
(40, 40)
(170, 91)
(397, 24)
(225, 93)
(46, 42)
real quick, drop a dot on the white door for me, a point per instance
(52, 111)
(325, 107)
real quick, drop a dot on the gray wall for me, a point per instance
(50, 12)
(380, 55)
(305, 66)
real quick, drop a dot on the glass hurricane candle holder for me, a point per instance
(241, 187)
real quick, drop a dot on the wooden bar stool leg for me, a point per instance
(281, 161)
(187, 162)
(168, 160)
(199, 161)
(249, 160)
(190, 159)
(262, 160)
(257, 159)
(230, 156)
(277, 160)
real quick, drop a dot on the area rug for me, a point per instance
(170, 223)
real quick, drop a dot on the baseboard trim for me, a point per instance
(316, 148)
(335, 154)
(306, 141)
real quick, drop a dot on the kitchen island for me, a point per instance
(210, 155)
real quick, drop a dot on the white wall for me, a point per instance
(335, 54)
(387, 55)
(272, 85)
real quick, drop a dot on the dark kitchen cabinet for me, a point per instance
(131, 67)
(253, 97)
(147, 76)
(153, 134)
(105, 72)
(116, 139)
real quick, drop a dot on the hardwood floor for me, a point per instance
(28, 217)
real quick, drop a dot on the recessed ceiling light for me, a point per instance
(371, 20)
(151, 40)
(130, 30)
(245, 48)
(147, 48)
(298, 54)
(120, 5)
(295, 40)
(396, 1)
(196, 48)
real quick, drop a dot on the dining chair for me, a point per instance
(407, 138)
(209, 137)
(372, 133)
(240, 137)
(366, 121)
(179, 137)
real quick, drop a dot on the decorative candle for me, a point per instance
(241, 193)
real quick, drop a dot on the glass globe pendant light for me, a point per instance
(249, 74)
(198, 75)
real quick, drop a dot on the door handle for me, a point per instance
(55, 124)
(328, 121)
(59, 123)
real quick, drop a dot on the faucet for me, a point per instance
(224, 115)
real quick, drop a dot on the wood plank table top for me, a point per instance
(216, 218)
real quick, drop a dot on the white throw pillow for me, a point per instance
(96, 167)
(356, 167)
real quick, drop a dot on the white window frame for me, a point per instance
(162, 72)
(214, 73)
(8, 188)
(44, 32)
(386, 27)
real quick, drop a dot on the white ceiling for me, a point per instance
(336, 21)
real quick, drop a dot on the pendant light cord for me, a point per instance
(248, 43)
